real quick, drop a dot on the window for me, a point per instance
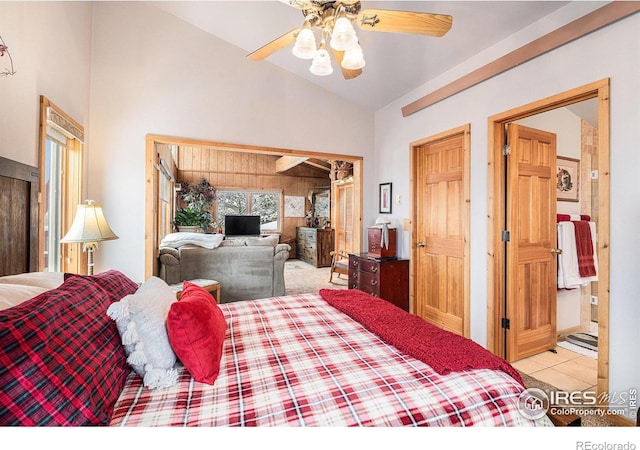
(61, 153)
(261, 203)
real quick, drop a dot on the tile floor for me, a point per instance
(566, 370)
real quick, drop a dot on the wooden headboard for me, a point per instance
(18, 217)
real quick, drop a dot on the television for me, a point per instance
(241, 225)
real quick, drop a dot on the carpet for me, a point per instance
(303, 278)
(588, 420)
(577, 349)
(584, 340)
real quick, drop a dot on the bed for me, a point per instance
(299, 360)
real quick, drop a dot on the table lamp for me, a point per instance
(89, 227)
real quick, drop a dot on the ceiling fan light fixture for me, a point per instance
(353, 58)
(343, 36)
(305, 46)
(321, 64)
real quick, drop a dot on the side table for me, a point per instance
(211, 286)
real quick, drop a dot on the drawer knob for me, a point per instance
(374, 282)
(374, 269)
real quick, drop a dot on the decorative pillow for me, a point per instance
(141, 320)
(268, 241)
(196, 328)
(234, 243)
(115, 283)
(61, 361)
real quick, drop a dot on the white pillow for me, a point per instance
(142, 323)
(14, 294)
(177, 240)
(267, 241)
(47, 280)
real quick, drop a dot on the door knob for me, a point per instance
(556, 251)
(421, 244)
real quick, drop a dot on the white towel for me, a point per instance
(568, 270)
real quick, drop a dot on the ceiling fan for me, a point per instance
(334, 20)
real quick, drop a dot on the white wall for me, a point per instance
(602, 54)
(51, 49)
(154, 74)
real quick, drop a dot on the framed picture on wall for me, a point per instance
(294, 206)
(567, 179)
(385, 198)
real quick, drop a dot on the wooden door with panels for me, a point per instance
(343, 218)
(440, 229)
(530, 240)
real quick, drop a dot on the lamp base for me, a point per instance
(89, 247)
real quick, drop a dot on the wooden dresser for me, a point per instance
(314, 245)
(387, 278)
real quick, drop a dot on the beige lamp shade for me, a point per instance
(89, 225)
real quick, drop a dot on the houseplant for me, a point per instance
(199, 198)
(191, 219)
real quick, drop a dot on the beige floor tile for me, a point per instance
(528, 365)
(589, 363)
(560, 380)
(578, 371)
(550, 359)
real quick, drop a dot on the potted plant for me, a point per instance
(190, 219)
(199, 198)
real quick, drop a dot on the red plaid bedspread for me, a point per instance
(297, 361)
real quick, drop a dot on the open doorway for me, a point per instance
(237, 174)
(500, 328)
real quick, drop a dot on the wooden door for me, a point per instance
(343, 221)
(441, 246)
(531, 278)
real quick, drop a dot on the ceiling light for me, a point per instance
(321, 64)
(305, 47)
(353, 58)
(343, 36)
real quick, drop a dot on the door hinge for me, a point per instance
(506, 236)
(506, 323)
(506, 149)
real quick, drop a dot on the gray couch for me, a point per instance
(243, 271)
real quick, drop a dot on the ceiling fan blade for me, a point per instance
(277, 44)
(404, 22)
(348, 74)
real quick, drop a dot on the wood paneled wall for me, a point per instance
(240, 170)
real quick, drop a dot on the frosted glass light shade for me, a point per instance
(305, 46)
(353, 58)
(343, 36)
(321, 64)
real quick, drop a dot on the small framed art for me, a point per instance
(385, 198)
(567, 179)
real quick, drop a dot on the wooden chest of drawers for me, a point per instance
(384, 278)
(314, 245)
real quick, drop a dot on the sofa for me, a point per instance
(248, 268)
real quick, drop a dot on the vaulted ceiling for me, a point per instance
(395, 63)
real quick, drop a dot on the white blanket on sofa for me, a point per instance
(176, 240)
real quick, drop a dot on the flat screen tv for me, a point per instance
(241, 225)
